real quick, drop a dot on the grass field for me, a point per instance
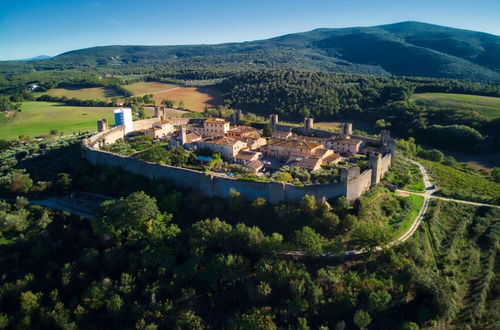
(83, 93)
(147, 87)
(486, 105)
(359, 125)
(38, 118)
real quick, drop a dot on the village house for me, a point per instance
(160, 130)
(344, 145)
(243, 131)
(215, 127)
(284, 135)
(283, 149)
(247, 156)
(184, 138)
(315, 160)
(227, 147)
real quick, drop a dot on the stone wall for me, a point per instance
(143, 124)
(357, 186)
(385, 164)
(212, 185)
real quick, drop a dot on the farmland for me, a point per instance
(145, 87)
(194, 98)
(485, 105)
(83, 93)
(38, 118)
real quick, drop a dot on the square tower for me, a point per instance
(123, 116)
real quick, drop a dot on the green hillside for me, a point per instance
(485, 105)
(407, 48)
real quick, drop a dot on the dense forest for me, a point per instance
(150, 260)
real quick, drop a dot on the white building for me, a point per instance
(123, 116)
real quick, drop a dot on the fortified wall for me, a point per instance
(352, 185)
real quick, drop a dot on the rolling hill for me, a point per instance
(406, 48)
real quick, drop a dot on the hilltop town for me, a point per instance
(357, 161)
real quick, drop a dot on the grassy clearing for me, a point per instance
(357, 125)
(456, 183)
(38, 118)
(414, 203)
(148, 87)
(83, 93)
(394, 213)
(486, 105)
(405, 175)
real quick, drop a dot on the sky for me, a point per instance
(30, 28)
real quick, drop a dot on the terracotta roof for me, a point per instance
(242, 129)
(294, 144)
(331, 158)
(216, 120)
(255, 164)
(347, 141)
(246, 155)
(223, 141)
(305, 162)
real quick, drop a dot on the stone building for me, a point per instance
(278, 148)
(242, 131)
(215, 127)
(345, 146)
(160, 130)
(226, 146)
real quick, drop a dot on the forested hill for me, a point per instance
(407, 48)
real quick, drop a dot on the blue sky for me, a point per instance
(50, 27)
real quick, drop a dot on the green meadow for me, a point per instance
(92, 93)
(485, 105)
(38, 118)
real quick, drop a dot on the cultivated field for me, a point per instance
(83, 93)
(195, 98)
(38, 118)
(487, 106)
(146, 87)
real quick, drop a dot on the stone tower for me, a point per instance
(308, 125)
(375, 163)
(102, 125)
(183, 135)
(273, 121)
(349, 173)
(237, 116)
(346, 130)
(385, 136)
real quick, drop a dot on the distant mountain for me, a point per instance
(407, 48)
(36, 58)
